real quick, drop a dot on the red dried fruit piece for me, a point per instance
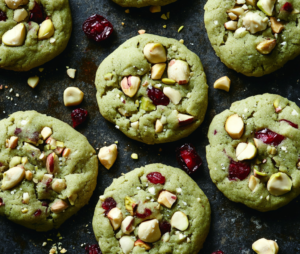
(218, 252)
(38, 212)
(36, 14)
(18, 131)
(238, 170)
(1, 202)
(164, 227)
(188, 158)
(48, 184)
(215, 132)
(290, 123)
(109, 204)
(92, 249)
(45, 204)
(157, 96)
(144, 215)
(97, 28)
(3, 16)
(269, 137)
(288, 7)
(156, 178)
(78, 115)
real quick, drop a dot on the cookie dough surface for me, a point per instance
(34, 51)
(190, 200)
(237, 48)
(277, 158)
(125, 111)
(74, 167)
(142, 3)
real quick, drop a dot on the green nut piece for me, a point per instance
(271, 150)
(147, 105)
(168, 81)
(130, 205)
(259, 174)
(16, 160)
(108, 76)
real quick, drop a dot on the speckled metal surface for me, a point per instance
(234, 227)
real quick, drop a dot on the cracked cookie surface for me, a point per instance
(250, 39)
(153, 88)
(48, 171)
(253, 156)
(159, 195)
(32, 32)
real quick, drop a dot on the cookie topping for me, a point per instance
(157, 96)
(173, 94)
(166, 198)
(269, 137)
(245, 151)
(179, 71)
(157, 70)
(37, 213)
(149, 231)
(78, 116)
(97, 28)
(130, 85)
(36, 14)
(184, 119)
(115, 216)
(288, 7)
(188, 158)
(141, 244)
(155, 53)
(279, 184)
(165, 227)
(20, 15)
(59, 206)
(156, 178)
(180, 221)
(127, 244)
(147, 213)
(46, 30)
(290, 123)
(266, 46)
(127, 225)
(108, 204)
(15, 36)
(267, 6)
(238, 170)
(12, 177)
(234, 126)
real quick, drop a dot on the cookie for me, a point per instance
(253, 156)
(48, 171)
(143, 3)
(254, 38)
(153, 89)
(32, 32)
(152, 209)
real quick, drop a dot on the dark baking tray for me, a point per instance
(234, 227)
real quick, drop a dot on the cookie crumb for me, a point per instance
(142, 31)
(181, 41)
(134, 156)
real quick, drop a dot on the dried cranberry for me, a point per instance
(97, 28)
(156, 178)
(1, 164)
(3, 16)
(157, 96)
(188, 158)
(34, 137)
(109, 204)
(48, 184)
(45, 204)
(218, 252)
(290, 123)
(18, 131)
(288, 7)
(92, 249)
(164, 227)
(36, 14)
(144, 215)
(238, 170)
(215, 132)
(38, 212)
(1, 202)
(269, 137)
(78, 115)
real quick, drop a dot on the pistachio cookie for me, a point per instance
(48, 170)
(32, 32)
(143, 3)
(153, 88)
(253, 37)
(152, 209)
(253, 156)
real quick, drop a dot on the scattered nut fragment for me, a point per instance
(71, 73)
(157, 70)
(264, 246)
(223, 83)
(168, 81)
(12, 142)
(33, 81)
(108, 76)
(142, 31)
(108, 155)
(149, 231)
(25, 199)
(266, 6)
(231, 25)
(279, 184)
(141, 244)
(266, 46)
(180, 221)
(253, 183)
(115, 216)
(237, 11)
(13, 4)
(155, 53)
(58, 206)
(127, 225)
(135, 125)
(232, 16)
(15, 36)
(20, 15)
(276, 25)
(127, 244)
(166, 198)
(179, 71)
(24, 210)
(234, 126)
(12, 177)
(184, 119)
(134, 156)
(52, 163)
(46, 30)
(130, 85)
(66, 152)
(166, 237)
(158, 126)
(173, 94)
(73, 96)
(245, 151)
(154, 9)
(46, 132)
(59, 185)
(28, 175)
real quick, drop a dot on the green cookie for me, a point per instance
(253, 37)
(27, 39)
(175, 200)
(253, 156)
(153, 88)
(48, 171)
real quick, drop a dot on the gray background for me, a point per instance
(234, 226)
